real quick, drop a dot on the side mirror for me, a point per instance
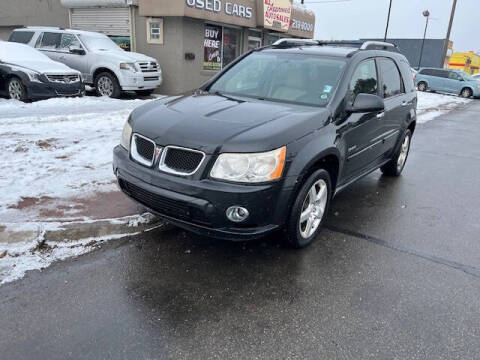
(366, 103)
(77, 50)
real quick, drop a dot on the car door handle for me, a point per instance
(381, 115)
(405, 103)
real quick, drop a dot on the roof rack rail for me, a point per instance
(290, 42)
(378, 45)
(43, 27)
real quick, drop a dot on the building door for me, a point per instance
(111, 21)
(254, 39)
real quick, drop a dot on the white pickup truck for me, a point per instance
(103, 64)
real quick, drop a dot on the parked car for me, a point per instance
(447, 81)
(294, 124)
(103, 64)
(27, 74)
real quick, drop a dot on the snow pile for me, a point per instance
(432, 105)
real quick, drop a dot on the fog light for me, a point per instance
(237, 213)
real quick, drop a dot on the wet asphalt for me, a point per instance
(394, 275)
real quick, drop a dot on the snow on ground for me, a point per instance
(432, 105)
(61, 149)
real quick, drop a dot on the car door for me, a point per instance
(396, 104)
(48, 43)
(454, 82)
(359, 130)
(74, 60)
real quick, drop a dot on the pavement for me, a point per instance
(394, 275)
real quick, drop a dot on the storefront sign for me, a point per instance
(212, 46)
(219, 6)
(276, 14)
(302, 23)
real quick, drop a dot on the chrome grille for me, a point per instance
(147, 67)
(64, 79)
(181, 161)
(142, 150)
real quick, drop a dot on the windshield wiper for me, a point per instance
(218, 93)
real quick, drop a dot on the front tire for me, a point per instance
(422, 86)
(106, 84)
(16, 90)
(309, 209)
(395, 166)
(466, 93)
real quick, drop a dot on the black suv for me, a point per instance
(267, 142)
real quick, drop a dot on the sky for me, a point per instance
(355, 19)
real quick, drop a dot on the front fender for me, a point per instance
(309, 151)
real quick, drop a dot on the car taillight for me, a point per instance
(414, 77)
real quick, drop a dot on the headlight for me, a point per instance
(126, 135)
(128, 66)
(250, 168)
(34, 76)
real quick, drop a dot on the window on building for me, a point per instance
(221, 46)
(392, 81)
(364, 80)
(155, 31)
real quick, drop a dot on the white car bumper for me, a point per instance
(142, 81)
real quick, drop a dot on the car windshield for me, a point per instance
(285, 77)
(466, 76)
(99, 43)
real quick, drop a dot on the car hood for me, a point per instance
(47, 67)
(213, 124)
(124, 56)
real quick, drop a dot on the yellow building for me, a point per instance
(466, 61)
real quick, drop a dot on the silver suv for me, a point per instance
(103, 64)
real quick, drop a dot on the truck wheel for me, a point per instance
(395, 166)
(106, 84)
(16, 90)
(309, 209)
(144, 92)
(466, 93)
(422, 86)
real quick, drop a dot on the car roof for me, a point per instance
(51, 28)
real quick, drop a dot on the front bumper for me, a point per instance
(141, 81)
(45, 90)
(199, 205)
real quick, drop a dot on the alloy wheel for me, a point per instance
(15, 89)
(313, 209)
(403, 153)
(105, 86)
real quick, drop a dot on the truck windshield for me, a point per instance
(99, 43)
(285, 77)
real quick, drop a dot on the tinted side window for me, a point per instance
(440, 73)
(454, 76)
(68, 40)
(22, 37)
(364, 80)
(426, 72)
(391, 79)
(50, 41)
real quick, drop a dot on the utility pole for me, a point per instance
(426, 13)
(447, 40)
(388, 20)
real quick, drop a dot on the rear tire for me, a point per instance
(395, 166)
(422, 86)
(144, 92)
(309, 209)
(106, 84)
(16, 90)
(466, 93)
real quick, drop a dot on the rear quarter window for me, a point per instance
(22, 37)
